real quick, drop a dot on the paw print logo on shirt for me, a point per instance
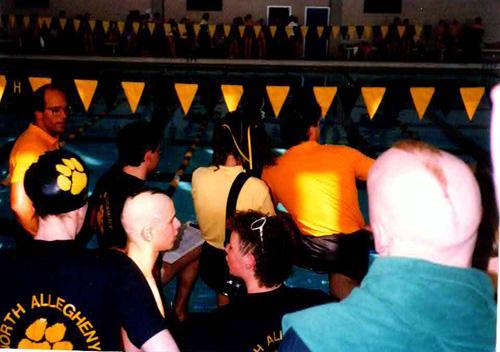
(41, 337)
(72, 176)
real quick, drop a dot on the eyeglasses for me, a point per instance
(259, 225)
(58, 110)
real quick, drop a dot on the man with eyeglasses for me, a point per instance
(260, 253)
(50, 112)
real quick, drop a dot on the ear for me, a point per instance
(147, 233)
(38, 116)
(382, 239)
(147, 155)
(249, 262)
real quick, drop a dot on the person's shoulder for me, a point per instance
(257, 183)
(202, 171)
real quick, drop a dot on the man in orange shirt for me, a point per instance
(317, 185)
(50, 111)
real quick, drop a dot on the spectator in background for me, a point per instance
(425, 237)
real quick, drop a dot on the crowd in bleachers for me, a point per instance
(144, 35)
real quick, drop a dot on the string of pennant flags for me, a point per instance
(335, 32)
(276, 94)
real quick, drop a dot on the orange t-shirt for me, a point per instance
(317, 185)
(32, 143)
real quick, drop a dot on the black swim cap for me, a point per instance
(57, 183)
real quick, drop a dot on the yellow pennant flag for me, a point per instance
(135, 27)
(121, 26)
(133, 93)
(241, 29)
(421, 98)
(197, 29)
(384, 30)
(26, 21)
(211, 30)
(418, 30)
(304, 30)
(273, 30)
(105, 26)
(37, 82)
(372, 97)
(86, 89)
(367, 32)
(40, 22)
(289, 31)
(471, 97)
(320, 30)
(351, 32)
(232, 95)
(92, 25)
(47, 21)
(324, 97)
(186, 93)
(257, 28)
(401, 31)
(76, 24)
(167, 27)
(3, 84)
(227, 30)
(335, 32)
(62, 23)
(12, 21)
(277, 96)
(151, 27)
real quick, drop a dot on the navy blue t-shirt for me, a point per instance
(56, 295)
(249, 323)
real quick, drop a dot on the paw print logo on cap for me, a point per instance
(39, 336)
(72, 176)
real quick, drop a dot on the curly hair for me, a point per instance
(272, 252)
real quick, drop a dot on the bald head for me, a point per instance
(424, 203)
(149, 219)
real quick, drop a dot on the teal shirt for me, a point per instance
(405, 305)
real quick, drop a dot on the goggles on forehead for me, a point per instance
(258, 225)
(248, 158)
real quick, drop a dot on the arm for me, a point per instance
(162, 341)
(362, 166)
(23, 209)
(20, 203)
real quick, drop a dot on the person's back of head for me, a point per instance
(424, 203)
(297, 117)
(134, 140)
(243, 137)
(57, 185)
(149, 220)
(269, 240)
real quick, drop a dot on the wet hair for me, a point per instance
(134, 140)
(296, 118)
(231, 138)
(272, 253)
(38, 99)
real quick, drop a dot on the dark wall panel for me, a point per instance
(204, 5)
(383, 6)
